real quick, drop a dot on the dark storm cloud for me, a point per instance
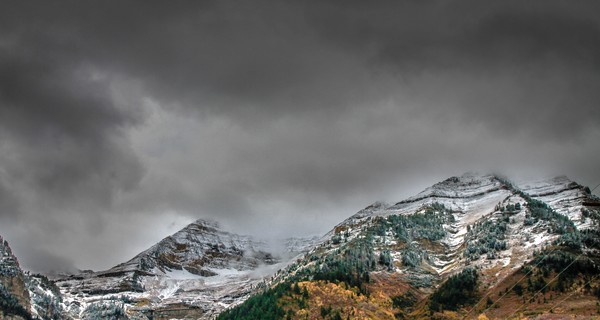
(553, 64)
(63, 150)
(61, 132)
(540, 59)
(8, 203)
(278, 58)
(112, 113)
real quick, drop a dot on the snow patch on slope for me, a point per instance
(561, 194)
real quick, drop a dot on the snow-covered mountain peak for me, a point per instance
(480, 220)
(370, 210)
(467, 185)
(376, 206)
(548, 185)
(565, 196)
(204, 231)
(201, 266)
(9, 265)
(473, 195)
(470, 194)
(206, 223)
(374, 209)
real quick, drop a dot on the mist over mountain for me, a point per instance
(475, 245)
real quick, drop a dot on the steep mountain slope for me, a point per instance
(197, 249)
(567, 198)
(196, 272)
(467, 247)
(437, 253)
(14, 297)
(26, 296)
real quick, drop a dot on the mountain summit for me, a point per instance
(471, 246)
(198, 271)
(200, 248)
(23, 295)
(467, 247)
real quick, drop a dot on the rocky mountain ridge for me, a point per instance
(23, 295)
(198, 271)
(386, 261)
(477, 227)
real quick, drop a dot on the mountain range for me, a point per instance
(472, 246)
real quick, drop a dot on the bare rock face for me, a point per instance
(14, 297)
(24, 295)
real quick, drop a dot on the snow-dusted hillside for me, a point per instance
(475, 220)
(470, 198)
(487, 222)
(200, 248)
(478, 224)
(201, 268)
(565, 196)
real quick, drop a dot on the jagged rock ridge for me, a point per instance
(23, 295)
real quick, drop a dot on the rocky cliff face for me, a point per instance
(14, 297)
(23, 295)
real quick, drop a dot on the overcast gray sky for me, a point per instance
(122, 121)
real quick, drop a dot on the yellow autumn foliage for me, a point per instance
(339, 298)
